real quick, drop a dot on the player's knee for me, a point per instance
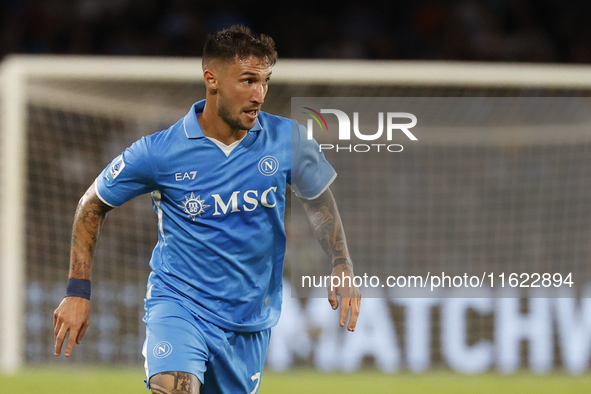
(175, 383)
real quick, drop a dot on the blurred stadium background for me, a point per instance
(64, 118)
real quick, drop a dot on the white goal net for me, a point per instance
(63, 119)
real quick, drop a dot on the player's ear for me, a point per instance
(211, 80)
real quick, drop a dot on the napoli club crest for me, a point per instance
(193, 206)
(268, 165)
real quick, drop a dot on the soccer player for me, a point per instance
(218, 179)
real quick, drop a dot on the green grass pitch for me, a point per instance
(129, 381)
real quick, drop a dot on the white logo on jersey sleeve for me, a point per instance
(116, 168)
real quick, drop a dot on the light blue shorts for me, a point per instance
(223, 361)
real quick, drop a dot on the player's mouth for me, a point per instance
(252, 113)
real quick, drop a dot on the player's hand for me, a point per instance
(73, 316)
(349, 294)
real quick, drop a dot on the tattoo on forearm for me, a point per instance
(327, 227)
(88, 220)
(174, 383)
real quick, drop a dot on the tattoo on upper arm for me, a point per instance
(175, 383)
(88, 220)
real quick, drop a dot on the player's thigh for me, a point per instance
(236, 366)
(175, 383)
(174, 342)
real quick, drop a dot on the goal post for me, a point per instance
(70, 100)
(12, 211)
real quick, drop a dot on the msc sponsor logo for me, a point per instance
(193, 206)
(238, 201)
(247, 201)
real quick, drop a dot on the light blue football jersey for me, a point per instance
(221, 238)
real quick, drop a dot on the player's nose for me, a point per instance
(258, 94)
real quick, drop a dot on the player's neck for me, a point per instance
(214, 127)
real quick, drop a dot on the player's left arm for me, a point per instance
(326, 224)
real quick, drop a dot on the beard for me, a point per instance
(232, 120)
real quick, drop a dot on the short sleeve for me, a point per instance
(311, 173)
(129, 175)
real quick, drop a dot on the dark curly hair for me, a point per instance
(239, 41)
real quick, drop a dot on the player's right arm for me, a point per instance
(73, 313)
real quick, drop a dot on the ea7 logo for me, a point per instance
(391, 126)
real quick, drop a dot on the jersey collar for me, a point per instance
(191, 125)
